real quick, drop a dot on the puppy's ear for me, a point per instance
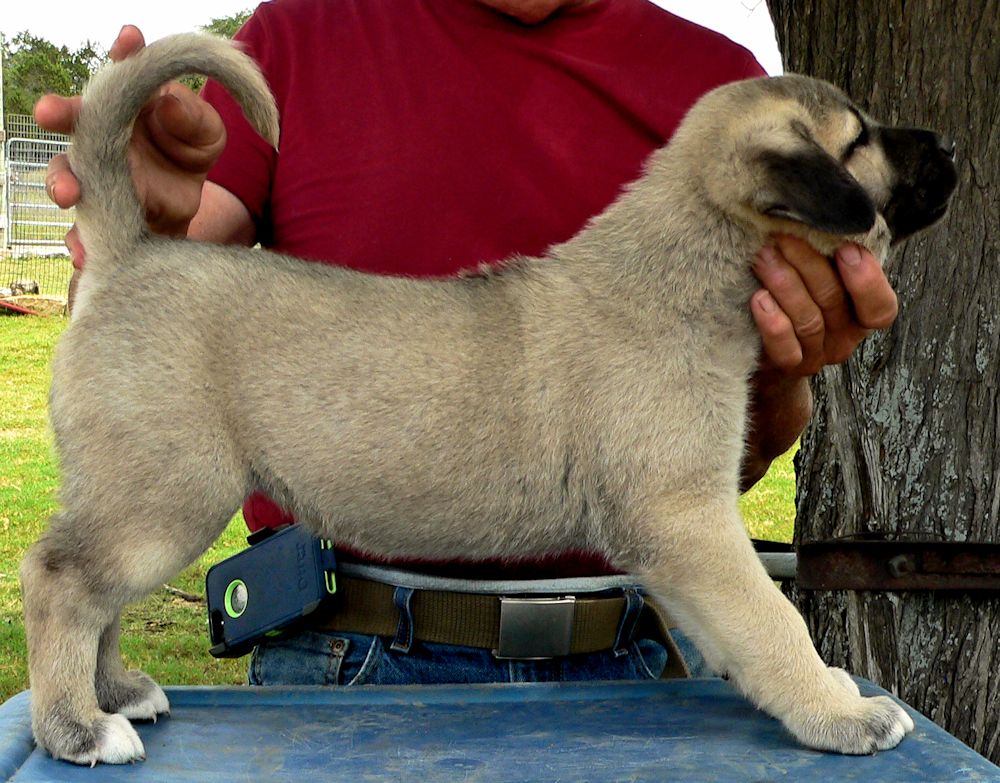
(812, 187)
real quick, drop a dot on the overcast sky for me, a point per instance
(71, 22)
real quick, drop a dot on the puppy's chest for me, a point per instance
(716, 339)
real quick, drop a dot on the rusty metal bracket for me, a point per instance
(898, 564)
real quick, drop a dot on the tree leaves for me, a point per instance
(33, 67)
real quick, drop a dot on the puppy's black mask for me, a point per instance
(924, 164)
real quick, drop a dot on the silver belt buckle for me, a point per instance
(534, 629)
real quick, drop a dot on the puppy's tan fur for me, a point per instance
(592, 398)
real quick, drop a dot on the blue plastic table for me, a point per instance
(690, 730)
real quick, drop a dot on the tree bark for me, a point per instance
(905, 437)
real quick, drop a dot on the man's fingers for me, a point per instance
(60, 184)
(842, 330)
(778, 339)
(875, 302)
(792, 296)
(129, 41)
(75, 246)
(812, 313)
(820, 279)
(56, 113)
(186, 130)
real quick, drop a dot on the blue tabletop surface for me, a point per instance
(681, 730)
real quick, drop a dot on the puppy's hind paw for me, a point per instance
(115, 742)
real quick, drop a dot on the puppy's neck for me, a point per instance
(666, 247)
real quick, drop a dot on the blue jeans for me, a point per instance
(338, 658)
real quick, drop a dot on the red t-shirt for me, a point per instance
(423, 137)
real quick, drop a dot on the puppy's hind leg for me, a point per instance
(118, 540)
(703, 566)
(65, 613)
(133, 694)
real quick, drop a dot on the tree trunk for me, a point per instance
(905, 438)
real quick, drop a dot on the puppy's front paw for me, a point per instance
(867, 725)
(147, 708)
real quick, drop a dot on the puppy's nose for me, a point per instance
(947, 146)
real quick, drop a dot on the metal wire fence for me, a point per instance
(32, 252)
(25, 127)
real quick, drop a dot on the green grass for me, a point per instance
(163, 635)
(769, 506)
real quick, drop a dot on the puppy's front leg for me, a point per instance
(705, 569)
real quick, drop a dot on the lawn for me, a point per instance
(165, 635)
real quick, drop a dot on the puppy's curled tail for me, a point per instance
(109, 215)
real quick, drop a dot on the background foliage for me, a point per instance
(32, 66)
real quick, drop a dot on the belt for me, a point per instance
(520, 627)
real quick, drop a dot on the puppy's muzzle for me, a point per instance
(924, 163)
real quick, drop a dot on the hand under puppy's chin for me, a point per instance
(876, 240)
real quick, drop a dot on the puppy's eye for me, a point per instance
(860, 141)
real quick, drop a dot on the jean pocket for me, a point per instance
(309, 659)
(649, 658)
(362, 660)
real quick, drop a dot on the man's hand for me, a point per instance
(177, 139)
(810, 313)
